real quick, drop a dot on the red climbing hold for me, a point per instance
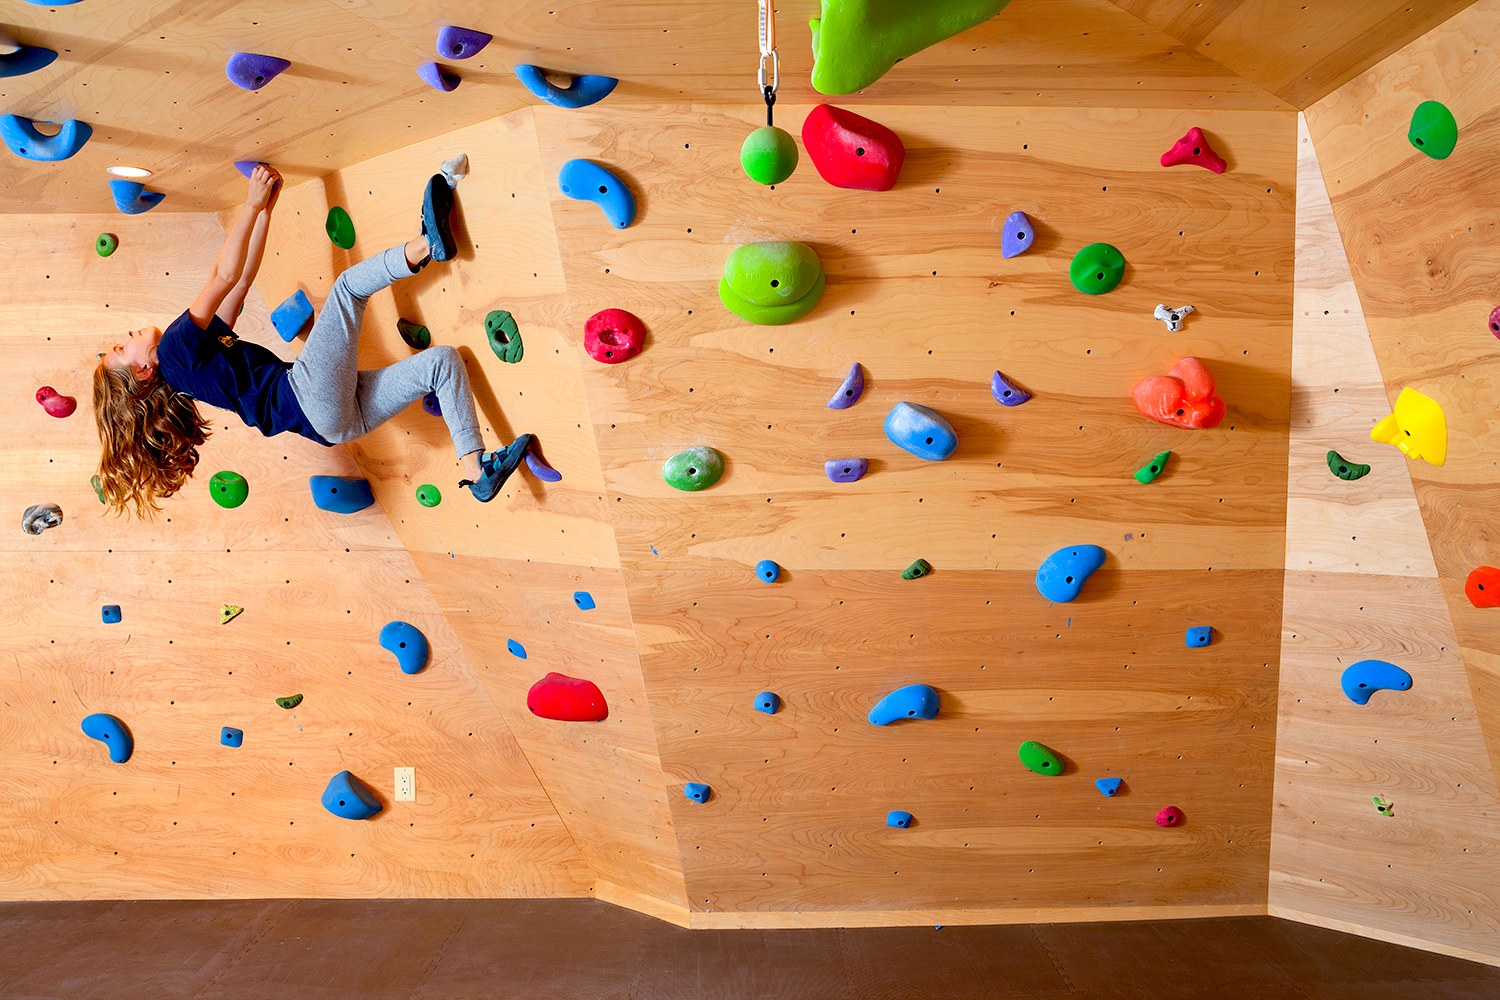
(1194, 148)
(851, 151)
(54, 403)
(567, 699)
(1170, 816)
(613, 335)
(1483, 587)
(1184, 397)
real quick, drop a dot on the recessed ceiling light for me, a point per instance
(128, 171)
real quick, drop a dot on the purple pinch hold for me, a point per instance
(431, 405)
(846, 470)
(251, 71)
(1006, 392)
(850, 391)
(1017, 235)
(460, 43)
(433, 75)
(541, 469)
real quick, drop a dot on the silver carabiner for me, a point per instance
(768, 48)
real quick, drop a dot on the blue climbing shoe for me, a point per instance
(437, 205)
(497, 467)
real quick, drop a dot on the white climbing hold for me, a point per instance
(456, 169)
(1173, 317)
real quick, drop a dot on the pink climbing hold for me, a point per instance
(850, 151)
(1184, 397)
(613, 335)
(54, 403)
(1194, 148)
(1495, 321)
(567, 699)
(1170, 816)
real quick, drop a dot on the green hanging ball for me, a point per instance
(106, 244)
(769, 155)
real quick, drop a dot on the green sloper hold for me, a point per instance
(291, 701)
(693, 469)
(1040, 759)
(98, 488)
(505, 336)
(772, 283)
(856, 41)
(1097, 269)
(916, 570)
(1345, 469)
(1433, 130)
(769, 155)
(340, 228)
(1153, 468)
(417, 336)
(429, 495)
(228, 489)
(106, 244)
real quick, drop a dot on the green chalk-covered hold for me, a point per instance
(429, 495)
(228, 489)
(916, 570)
(417, 336)
(1433, 130)
(1097, 269)
(769, 155)
(1153, 468)
(1040, 759)
(98, 489)
(693, 469)
(290, 702)
(856, 41)
(505, 336)
(106, 244)
(340, 228)
(1382, 806)
(772, 283)
(1345, 469)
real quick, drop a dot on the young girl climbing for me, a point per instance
(145, 387)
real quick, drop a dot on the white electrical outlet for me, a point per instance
(406, 784)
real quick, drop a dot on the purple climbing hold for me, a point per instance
(1007, 393)
(1017, 236)
(850, 391)
(846, 470)
(541, 469)
(252, 72)
(436, 77)
(431, 405)
(460, 43)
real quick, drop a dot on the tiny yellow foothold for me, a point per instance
(227, 612)
(1417, 427)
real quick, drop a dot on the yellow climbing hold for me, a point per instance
(228, 612)
(1417, 427)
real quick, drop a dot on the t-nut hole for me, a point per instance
(929, 440)
(860, 151)
(692, 472)
(1067, 579)
(775, 283)
(603, 189)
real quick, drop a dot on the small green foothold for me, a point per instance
(340, 228)
(229, 612)
(106, 244)
(429, 495)
(291, 702)
(98, 489)
(916, 570)
(1383, 807)
(1153, 468)
(769, 155)
(505, 336)
(1433, 130)
(693, 469)
(1345, 469)
(228, 489)
(1040, 759)
(417, 336)
(1097, 269)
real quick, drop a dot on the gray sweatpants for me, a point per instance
(344, 403)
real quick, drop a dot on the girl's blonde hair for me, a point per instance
(150, 435)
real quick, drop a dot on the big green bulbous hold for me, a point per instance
(429, 495)
(340, 228)
(1040, 759)
(769, 155)
(106, 244)
(855, 42)
(772, 283)
(693, 469)
(1433, 130)
(505, 337)
(1097, 269)
(229, 489)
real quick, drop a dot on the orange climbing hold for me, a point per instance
(1482, 588)
(1194, 148)
(1184, 397)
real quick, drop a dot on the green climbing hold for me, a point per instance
(1040, 759)
(291, 702)
(417, 336)
(98, 489)
(429, 495)
(916, 570)
(772, 283)
(1382, 806)
(1097, 269)
(693, 469)
(1153, 468)
(106, 244)
(769, 155)
(228, 489)
(340, 228)
(228, 613)
(505, 336)
(1433, 130)
(1345, 469)
(856, 41)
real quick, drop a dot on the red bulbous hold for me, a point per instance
(1482, 588)
(1184, 397)
(851, 151)
(1170, 816)
(567, 699)
(613, 335)
(54, 403)
(1194, 148)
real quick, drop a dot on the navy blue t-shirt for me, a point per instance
(218, 368)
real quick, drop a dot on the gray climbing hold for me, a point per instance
(915, 701)
(40, 516)
(850, 391)
(1172, 317)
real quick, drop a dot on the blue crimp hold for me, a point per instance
(1364, 678)
(341, 494)
(23, 139)
(898, 818)
(292, 316)
(697, 792)
(231, 737)
(516, 649)
(584, 600)
(585, 90)
(767, 570)
(408, 643)
(110, 613)
(132, 198)
(1062, 575)
(768, 702)
(112, 733)
(587, 181)
(923, 432)
(1107, 786)
(27, 59)
(1200, 636)
(346, 796)
(915, 701)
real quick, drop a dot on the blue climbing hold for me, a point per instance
(346, 796)
(341, 494)
(898, 818)
(850, 391)
(231, 737)
(697, 792)
(292, 316)
(767, 570)
(768, 702)
(1006, 392)
(1364, 678)
(408, 643)
(587, 181)
(915, 701)
(1200, 636)
(1017, 235)
(846, 470)
(431, 405)
(112, 733)
(584, 90)
(584, 600)
(460, 43)
(250, 71)
(21, 136)
(438, 78)
(26, 59)
(923, 432)
(132, 198)
(1062, 575)
(516, 649)
(111, 614)
(1108, 786)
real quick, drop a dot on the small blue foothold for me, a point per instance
(347, 796)
(112, 733)
(1200, 636)
(850, 391)
(516, 649)
(1006, 392)
(697, 792)
(231, 737)
(898, 818)
(132, 198)
(110, 613)
(408, 643)
(24, 140)
(1062, 575)
(438, 78)
(584, 600)
(768, 702)
(584, 90)
(292, 316)
(250, 71)
(1109, 786)
(767, 570)
(460, 43)
(1364, 678)
(341, 494)
(587, 181)
(27, 59)
(923, 432)
(1017, 235)
(915, 701)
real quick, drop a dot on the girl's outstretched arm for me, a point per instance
(231, 261)
(229, 309)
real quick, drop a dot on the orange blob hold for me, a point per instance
(1184, 397)
(1482, 588)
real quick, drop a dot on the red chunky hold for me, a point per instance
(567, 699)
(851, 151)
(613, 335)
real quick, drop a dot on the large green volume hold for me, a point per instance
(1433, 130)
(693, 469)
(772, 283)
(1097, 269)
(1345, 469)
(855, 42)
(229, 489)
(1040, 759)
(340, 228)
